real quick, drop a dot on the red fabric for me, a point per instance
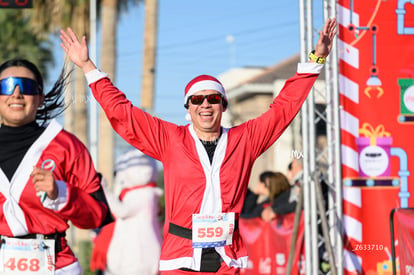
(404, 221)
(100, 248)
(126, 190)
(268, 245)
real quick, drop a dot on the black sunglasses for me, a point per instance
(199, 99)
(27, 86)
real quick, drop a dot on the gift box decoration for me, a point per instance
(374, 151)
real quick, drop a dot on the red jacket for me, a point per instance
(21, 211)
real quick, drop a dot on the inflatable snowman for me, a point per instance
(133, 241)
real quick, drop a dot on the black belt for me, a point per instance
(55, 236)
(210, 259)
(187, 233)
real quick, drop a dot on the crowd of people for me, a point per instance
(48, 178)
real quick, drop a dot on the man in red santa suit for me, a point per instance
(206, 166)
(38, 157)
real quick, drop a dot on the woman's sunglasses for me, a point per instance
(27, 86)
(199, 99)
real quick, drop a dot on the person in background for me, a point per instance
(294, 174)
(206, 166)
(295, 171)
(256, 198)
(276, 189)
(132, 244)
(47, 177)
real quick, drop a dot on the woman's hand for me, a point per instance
(77, 51)
(44, 181)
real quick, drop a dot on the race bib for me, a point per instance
(212, 230)
(27, 256)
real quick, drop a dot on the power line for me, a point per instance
(212, 39)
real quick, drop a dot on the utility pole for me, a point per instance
(149, 55)
(93, 105)
(106, 143)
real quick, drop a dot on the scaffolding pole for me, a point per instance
(334, 144)
(324, 164)
(305, 142)
(93, 117)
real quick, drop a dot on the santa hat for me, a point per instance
(203, 82)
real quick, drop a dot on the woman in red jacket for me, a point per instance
(47, 177)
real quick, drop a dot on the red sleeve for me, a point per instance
(83, 210)
(81, 180)
(147, 133)
(268, 127)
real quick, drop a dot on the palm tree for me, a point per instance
(110, 10)
(18, 41)
(109, 19)
(80, 24)
(150, 44)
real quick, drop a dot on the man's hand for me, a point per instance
(326, 37)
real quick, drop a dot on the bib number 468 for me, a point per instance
(22, 264)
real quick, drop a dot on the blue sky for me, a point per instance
(193, 38)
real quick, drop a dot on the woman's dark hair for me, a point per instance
(54, 102)
(277, 183)
(265, 175)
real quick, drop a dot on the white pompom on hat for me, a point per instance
(203, 82)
